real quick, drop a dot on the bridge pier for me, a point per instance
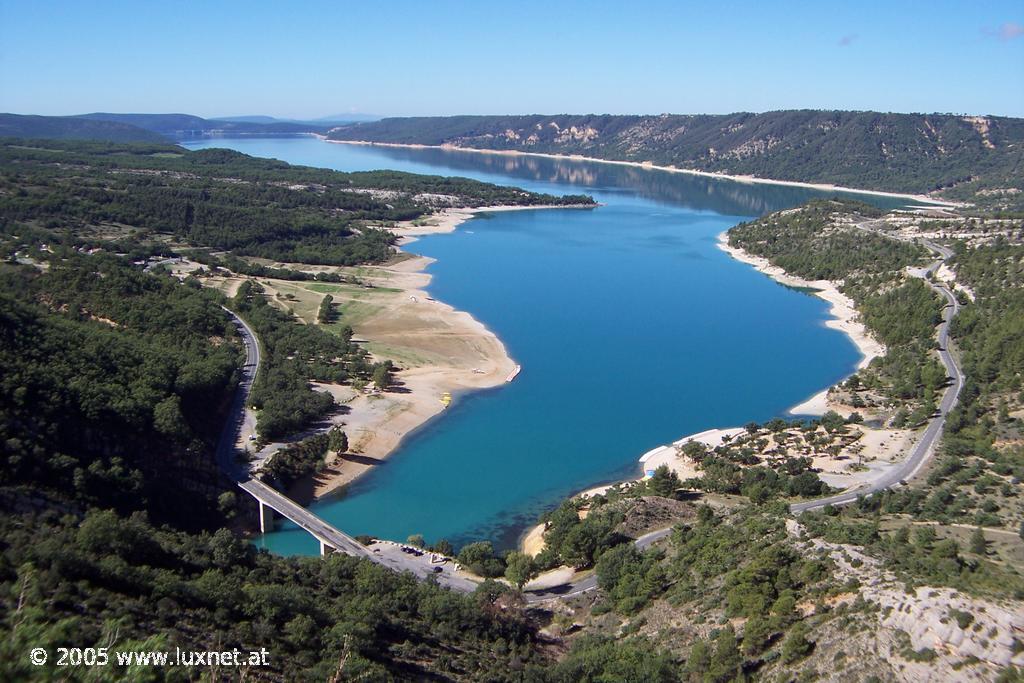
(266, 517)
(270, 502)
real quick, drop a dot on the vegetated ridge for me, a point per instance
(973, 158)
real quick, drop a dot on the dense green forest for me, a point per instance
(110, 377)
(126, 584)
(226, 200)
(892, 152)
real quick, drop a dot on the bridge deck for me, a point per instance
(305, 519)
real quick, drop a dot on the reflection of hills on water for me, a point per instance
(723, 196)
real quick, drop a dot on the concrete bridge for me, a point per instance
(270, 500)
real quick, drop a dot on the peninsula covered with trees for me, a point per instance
(223, 200)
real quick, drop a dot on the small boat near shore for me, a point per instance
(515, 373)
(446, 399)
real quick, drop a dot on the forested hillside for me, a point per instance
(976, 477)
(116, 582)
(821, 241)
(73, 128)
(226, 200)
(112, 387)
(892, 152)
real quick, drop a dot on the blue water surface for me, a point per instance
(632, 327)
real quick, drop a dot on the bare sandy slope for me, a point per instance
(437, 348)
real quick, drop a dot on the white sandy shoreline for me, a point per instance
(845, 317)
(824, 187)
(447, 220)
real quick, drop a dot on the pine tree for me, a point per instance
(978, 545)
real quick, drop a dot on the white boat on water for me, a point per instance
(512, 375)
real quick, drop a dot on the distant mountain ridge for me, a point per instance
(73, 128)
(185, 125)
(111, 127)
(916, 153)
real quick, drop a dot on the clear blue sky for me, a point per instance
(391, 57)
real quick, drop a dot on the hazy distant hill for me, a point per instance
(246, 119)
(347, 118)
(334, 120)
(186, 125)
(896, 152)
(73, 128)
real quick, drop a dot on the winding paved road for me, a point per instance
(925, 447)
(227, 445)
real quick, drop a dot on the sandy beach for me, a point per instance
(447, 220)
(438, 349)
(748, 179)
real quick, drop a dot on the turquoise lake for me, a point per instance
(632, 327)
